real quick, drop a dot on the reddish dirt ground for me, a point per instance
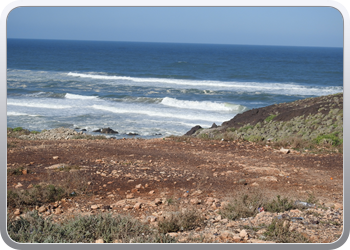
(215, 167)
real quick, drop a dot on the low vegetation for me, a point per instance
(280, 232)
(320, 131)
(17, 171)
(83, 229)
(52, 190)
(180, 221)
(37, 195)
(247, 205)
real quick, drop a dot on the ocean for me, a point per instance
(157, 89)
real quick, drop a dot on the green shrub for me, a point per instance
(37, 195)
(232, 129)
(176, 221)
(279, 231)
(255, 138)
(242, 207)
(270, 118)
(331, 139)
(279, 205)
(15, 171)
(69, 168)
(17, 129)
(245, 129)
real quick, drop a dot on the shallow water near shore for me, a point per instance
(157, 89)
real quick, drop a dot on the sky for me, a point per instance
(286, 26)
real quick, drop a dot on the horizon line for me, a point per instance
(87, 40)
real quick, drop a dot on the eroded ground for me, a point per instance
(203, 174)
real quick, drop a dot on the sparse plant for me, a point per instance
(331, 139)
(37, 195)
(83, 229)
(279, 205)
(312, 199)
(180, 220)
(16, 171)
(270, 118)
(17, 129)
(242, 207)
(245, 128)
(279, 231)
(69, 168)
(11, 145)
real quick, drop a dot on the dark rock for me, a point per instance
(83, 129)
(193, 130)
(97, 130)
(285, 111)
(107, 207)
(214, 125)
(108, 131)
(133, 134)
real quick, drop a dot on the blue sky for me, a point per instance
(287, 26)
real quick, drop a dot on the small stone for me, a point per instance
(153, 219)
(100, 241)
(218, 218)
(172, 234)
(138, 186)
(243, 234)
(19, 185)
(242, 181)
(58, 211)
(30, 186)
(195, 201)
(284, 150)
(157, 201)
(151, 192)
(137, 206)
(130, 196)
(94, 207)
(268, 178)
(24, 171)
(127, 207)
(42, 209)
(55, 157)
(185, 195)
(17, 212)
(338, 206)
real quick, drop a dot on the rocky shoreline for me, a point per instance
(215, 182)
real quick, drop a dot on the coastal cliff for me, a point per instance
(317, 119)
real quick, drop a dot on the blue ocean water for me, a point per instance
(157, 89)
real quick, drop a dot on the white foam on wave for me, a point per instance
(38, 105)
(160, 113)
(80, 97)
(19, 114)
(272, 88)
(203, 105)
